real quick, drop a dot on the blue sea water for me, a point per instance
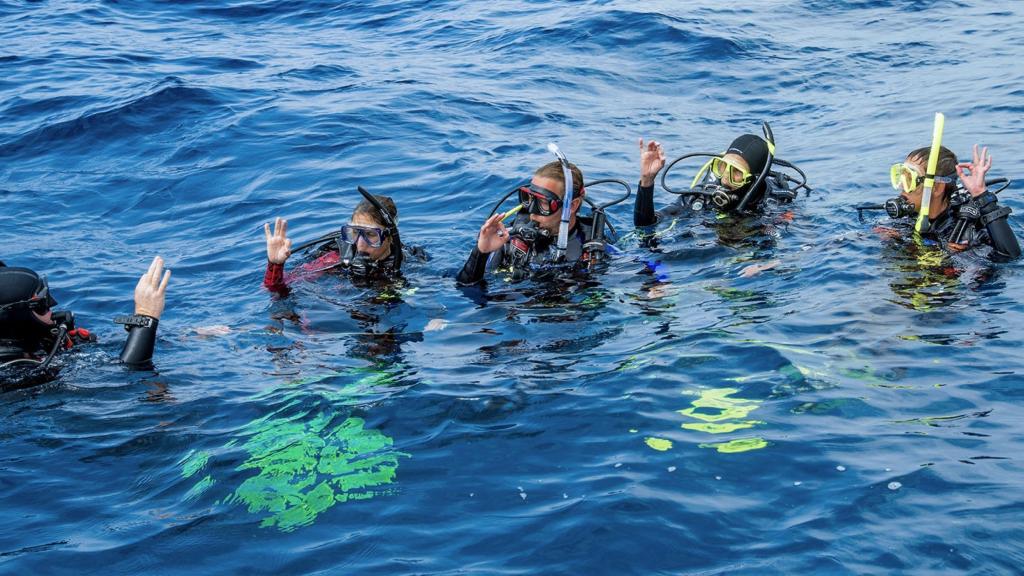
(854, 411)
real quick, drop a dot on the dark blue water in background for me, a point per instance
(856, 410)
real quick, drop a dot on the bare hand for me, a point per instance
(652, 159)
(493, 235)
(279, 247)
(975, 181)
(150, 291)
(755, 269)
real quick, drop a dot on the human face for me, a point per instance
(732, 178)
(379, 253)
(939, 202)
(551, 222)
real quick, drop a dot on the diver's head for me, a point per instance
(543, 198)
(908, 179)
(25, 306)
(738, 169)
(368, 232)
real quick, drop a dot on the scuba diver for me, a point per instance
(740, 180)
(959, 216)
(367, 248)
(32, 333)
(548, 236)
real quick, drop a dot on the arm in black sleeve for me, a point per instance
(996, 221)
(138, 348)
(643, 209)
(473, 271)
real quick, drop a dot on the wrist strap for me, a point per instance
(996, 214)
(138, 320)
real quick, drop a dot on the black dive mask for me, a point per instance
(899, 207)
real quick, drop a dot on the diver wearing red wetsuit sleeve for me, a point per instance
(369, 246)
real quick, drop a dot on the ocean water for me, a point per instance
(856, 410)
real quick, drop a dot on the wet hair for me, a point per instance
(367, 208)
(553, 170)
(947, 160)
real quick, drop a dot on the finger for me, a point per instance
(974, 153)
(163, 283)
(266, 230)
(153, 266)
(154, 278)
(284, 228)
(641, 141)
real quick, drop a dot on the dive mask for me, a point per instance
(539, 200)
(906, 178)
(729, 174)
(374, 237)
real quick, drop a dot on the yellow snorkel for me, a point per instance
(923, 223)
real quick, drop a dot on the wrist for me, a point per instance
(985, 198)
(646, 182)
(145, 311)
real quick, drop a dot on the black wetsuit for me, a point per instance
(524, 263)
(645, 215)
(992, 228)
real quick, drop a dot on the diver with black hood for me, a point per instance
(741, 180)
(368, 248)
(32, 333)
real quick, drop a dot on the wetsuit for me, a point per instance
(645, 215)
(986, 223)
(28, 345)
(526, 252)
(329, 257)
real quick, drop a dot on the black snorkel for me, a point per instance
(392, 226)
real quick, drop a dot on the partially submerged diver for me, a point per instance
(367, 247)
(548, 235)
(959, 217)
(740, 180)
(33, 333)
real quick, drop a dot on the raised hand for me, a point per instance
(279, 247)
(150, 291)
(975, 181)
(493, 235)
(652, 159)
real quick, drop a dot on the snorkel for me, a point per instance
(563, 228)
(390, 224)
(923, 224)
(769, 139)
